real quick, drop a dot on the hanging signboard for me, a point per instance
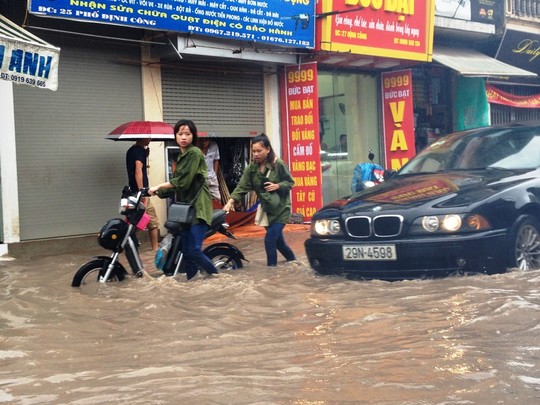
(497, 96)
(484, 11)
(284, 23)
(301, 135)
(521, 49)
(395, 29)
(26, 59)
(398, 118)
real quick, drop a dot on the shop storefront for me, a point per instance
(227, 103)
(121, 63)
(517, 100)
(451, 93)
(29, 62)
(63, 159)
(432, 95)
(455, 92)
(356, 43)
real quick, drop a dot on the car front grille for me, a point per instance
(382, 226)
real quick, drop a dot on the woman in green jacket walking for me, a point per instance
(271, 180)
(188, 178)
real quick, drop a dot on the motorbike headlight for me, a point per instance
(325, 227)
(123, 206)
(127, 204)
(450, 223)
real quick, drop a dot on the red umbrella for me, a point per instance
(133, 130)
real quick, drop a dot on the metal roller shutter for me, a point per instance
(70, 177)
(224, 103)
(503, 114)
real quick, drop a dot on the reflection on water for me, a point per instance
(259, 336)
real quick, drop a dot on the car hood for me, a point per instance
(455, 189)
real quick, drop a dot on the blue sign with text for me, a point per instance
(289, 23)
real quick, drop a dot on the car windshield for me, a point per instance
(508, 148)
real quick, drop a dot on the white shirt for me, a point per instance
(211, 154)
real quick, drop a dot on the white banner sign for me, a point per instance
(29, 64)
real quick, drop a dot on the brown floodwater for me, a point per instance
(260, 336)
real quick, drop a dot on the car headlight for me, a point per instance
(450, 223)
(325, 227)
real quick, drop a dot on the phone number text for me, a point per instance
(22, 79)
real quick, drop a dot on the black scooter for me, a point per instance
(119, 236)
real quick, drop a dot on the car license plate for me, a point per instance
(369, 252)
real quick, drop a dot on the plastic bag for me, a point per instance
(261, 218)
(163, 251)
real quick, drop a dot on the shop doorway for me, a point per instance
(348, 114)
(227, 105)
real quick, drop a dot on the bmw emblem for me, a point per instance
(376, 209)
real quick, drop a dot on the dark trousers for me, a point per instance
(274, 242)
(192, 239)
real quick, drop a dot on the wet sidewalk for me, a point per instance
(246, 235)
(291, 231)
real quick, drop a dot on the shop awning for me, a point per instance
(27, 59)
(470, 63)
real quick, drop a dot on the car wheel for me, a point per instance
(525, 254)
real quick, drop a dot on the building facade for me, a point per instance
(387, 88)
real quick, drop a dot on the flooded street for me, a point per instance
(260, 336)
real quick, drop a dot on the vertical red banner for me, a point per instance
(300, 113)
(398, 118)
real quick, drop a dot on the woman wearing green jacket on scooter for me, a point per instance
(188, 184)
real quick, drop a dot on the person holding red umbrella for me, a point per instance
(136, 158)
(142, 132)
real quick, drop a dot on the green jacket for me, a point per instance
(188, 178)
(252, 180)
